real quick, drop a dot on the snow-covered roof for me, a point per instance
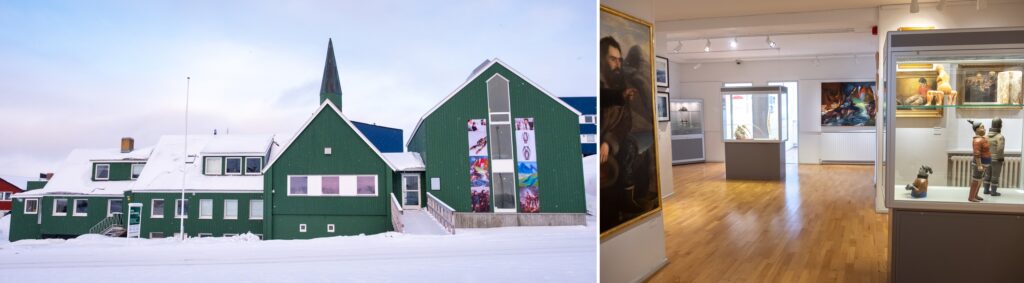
(476, 73)
(163, 172)
(406, 161)
(74, 175)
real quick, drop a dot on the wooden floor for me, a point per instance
(819, 225)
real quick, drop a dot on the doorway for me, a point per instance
(411, 191)
(792, 124)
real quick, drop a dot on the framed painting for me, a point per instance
(629, 186)
(661, 71)
(912, 98)
(848, 104)
(661, 107)
(992, 85)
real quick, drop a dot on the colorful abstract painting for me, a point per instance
(526, 154)
(848, 104)
(479, 165)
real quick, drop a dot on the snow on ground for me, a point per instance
(590, 179)
(420, 222)
(5, 225)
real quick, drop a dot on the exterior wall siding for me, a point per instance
(23, 226)
(558, 143)
(70, 225)
(305, 156)
(217, 225)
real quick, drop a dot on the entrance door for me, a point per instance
(411, 191)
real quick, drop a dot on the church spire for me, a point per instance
(330, 87)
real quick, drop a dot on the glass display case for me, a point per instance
(955, 137)
(687, 124)
(754, 113)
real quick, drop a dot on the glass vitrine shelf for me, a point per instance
(976, 106)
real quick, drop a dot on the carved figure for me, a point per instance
(919, 188)
(981, 161)
(997, 143)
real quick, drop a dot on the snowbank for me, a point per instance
(5, 226)
(590, 180)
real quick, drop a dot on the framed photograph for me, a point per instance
(661, 71)
(629, 187)
(912, 98)
(848, 104)
(995, 85)
(661, 107)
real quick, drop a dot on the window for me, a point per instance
(81, 208)
(102, 172)
(297, 185)
(366, 185)
(588, 119)
(156, 235)
(206, 209)
(504, 191)
(327, 151)
(181, 208)
(302, 228)
(31, 206)
(253, 165)
(204, 235)
(738, 84)
(213, 166)
(137, 170)
(329, 185)
(231, 209)
(501, 141)
(113, 206)
(330, 228)
(5, 196)
(156, 209)
(233, 166)
(588, 138)
(497, 94)
(255, 209)
(60, 207)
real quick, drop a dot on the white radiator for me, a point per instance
(855, 147)
(960, 171)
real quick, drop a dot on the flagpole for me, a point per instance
(184, 163)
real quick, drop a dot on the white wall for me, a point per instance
(705, 82)
(634, 254)
(955, 15)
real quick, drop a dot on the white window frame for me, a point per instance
(133, 177)
(161, 235)
(330, 228)
(111, 212)
(226, 201)
(96, 171)
(35, 200)
(152, 208)
(302, 228)
(55, 213)
(584, 119)
(5, 196)
(207, 167)
(315, 188)
(253, 207)
(74, 209)
(588, 138)
(177, 206)
(207, 214)
(245, 165)
(241, 167)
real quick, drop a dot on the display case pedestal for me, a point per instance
(755, 160)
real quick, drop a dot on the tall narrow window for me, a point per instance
(156, 208)
(213, 166)
(255, 209)
(181, 208)
(31, 206)
(504, 191)
(81, 207)
(113, 206)
(501, 141)
(206, 209)
(137, 170)
(233, 166)
(60, 207)
(497, 94)
(231, 209)
(253, 165)
(102, 172)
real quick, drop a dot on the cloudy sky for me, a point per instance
(77, 74)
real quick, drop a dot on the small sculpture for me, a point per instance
(997, 143)
(742, 133)
(919, 188)
(934, 97)
(942, 82)
(981, 161)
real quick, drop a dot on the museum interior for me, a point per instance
(814, 141)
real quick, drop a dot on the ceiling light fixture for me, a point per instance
(914, 6)
(733, 44)
(707, 46)
(771, 43)
(982, 4)
(679, 47)
(941, 5)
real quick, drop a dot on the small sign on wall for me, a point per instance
(435, 184)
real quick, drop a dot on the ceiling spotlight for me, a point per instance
(733, 44)
(941, 5)
(679, 47)
(707, 46)
(697, 66)
(914, 6)
(982, 4)
(771, 43)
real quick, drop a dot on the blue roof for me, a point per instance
(384, 138)
(586, 105)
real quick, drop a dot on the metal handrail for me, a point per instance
(116, 219)
(442, 212)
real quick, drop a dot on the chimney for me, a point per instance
(127, 144)
(45, 176)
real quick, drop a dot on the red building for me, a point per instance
(7, 190)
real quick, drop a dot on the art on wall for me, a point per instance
(526, 154)
(479, 166)
(629, 186)
(661, 71)
(915, 94)
(989, 84)
(661, 106)
(848, 104)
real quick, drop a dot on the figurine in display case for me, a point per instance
(742, 133)
(942, 84)
(919, 188)
(982, 159)
(997, 143)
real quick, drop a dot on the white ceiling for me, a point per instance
(667, 10)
